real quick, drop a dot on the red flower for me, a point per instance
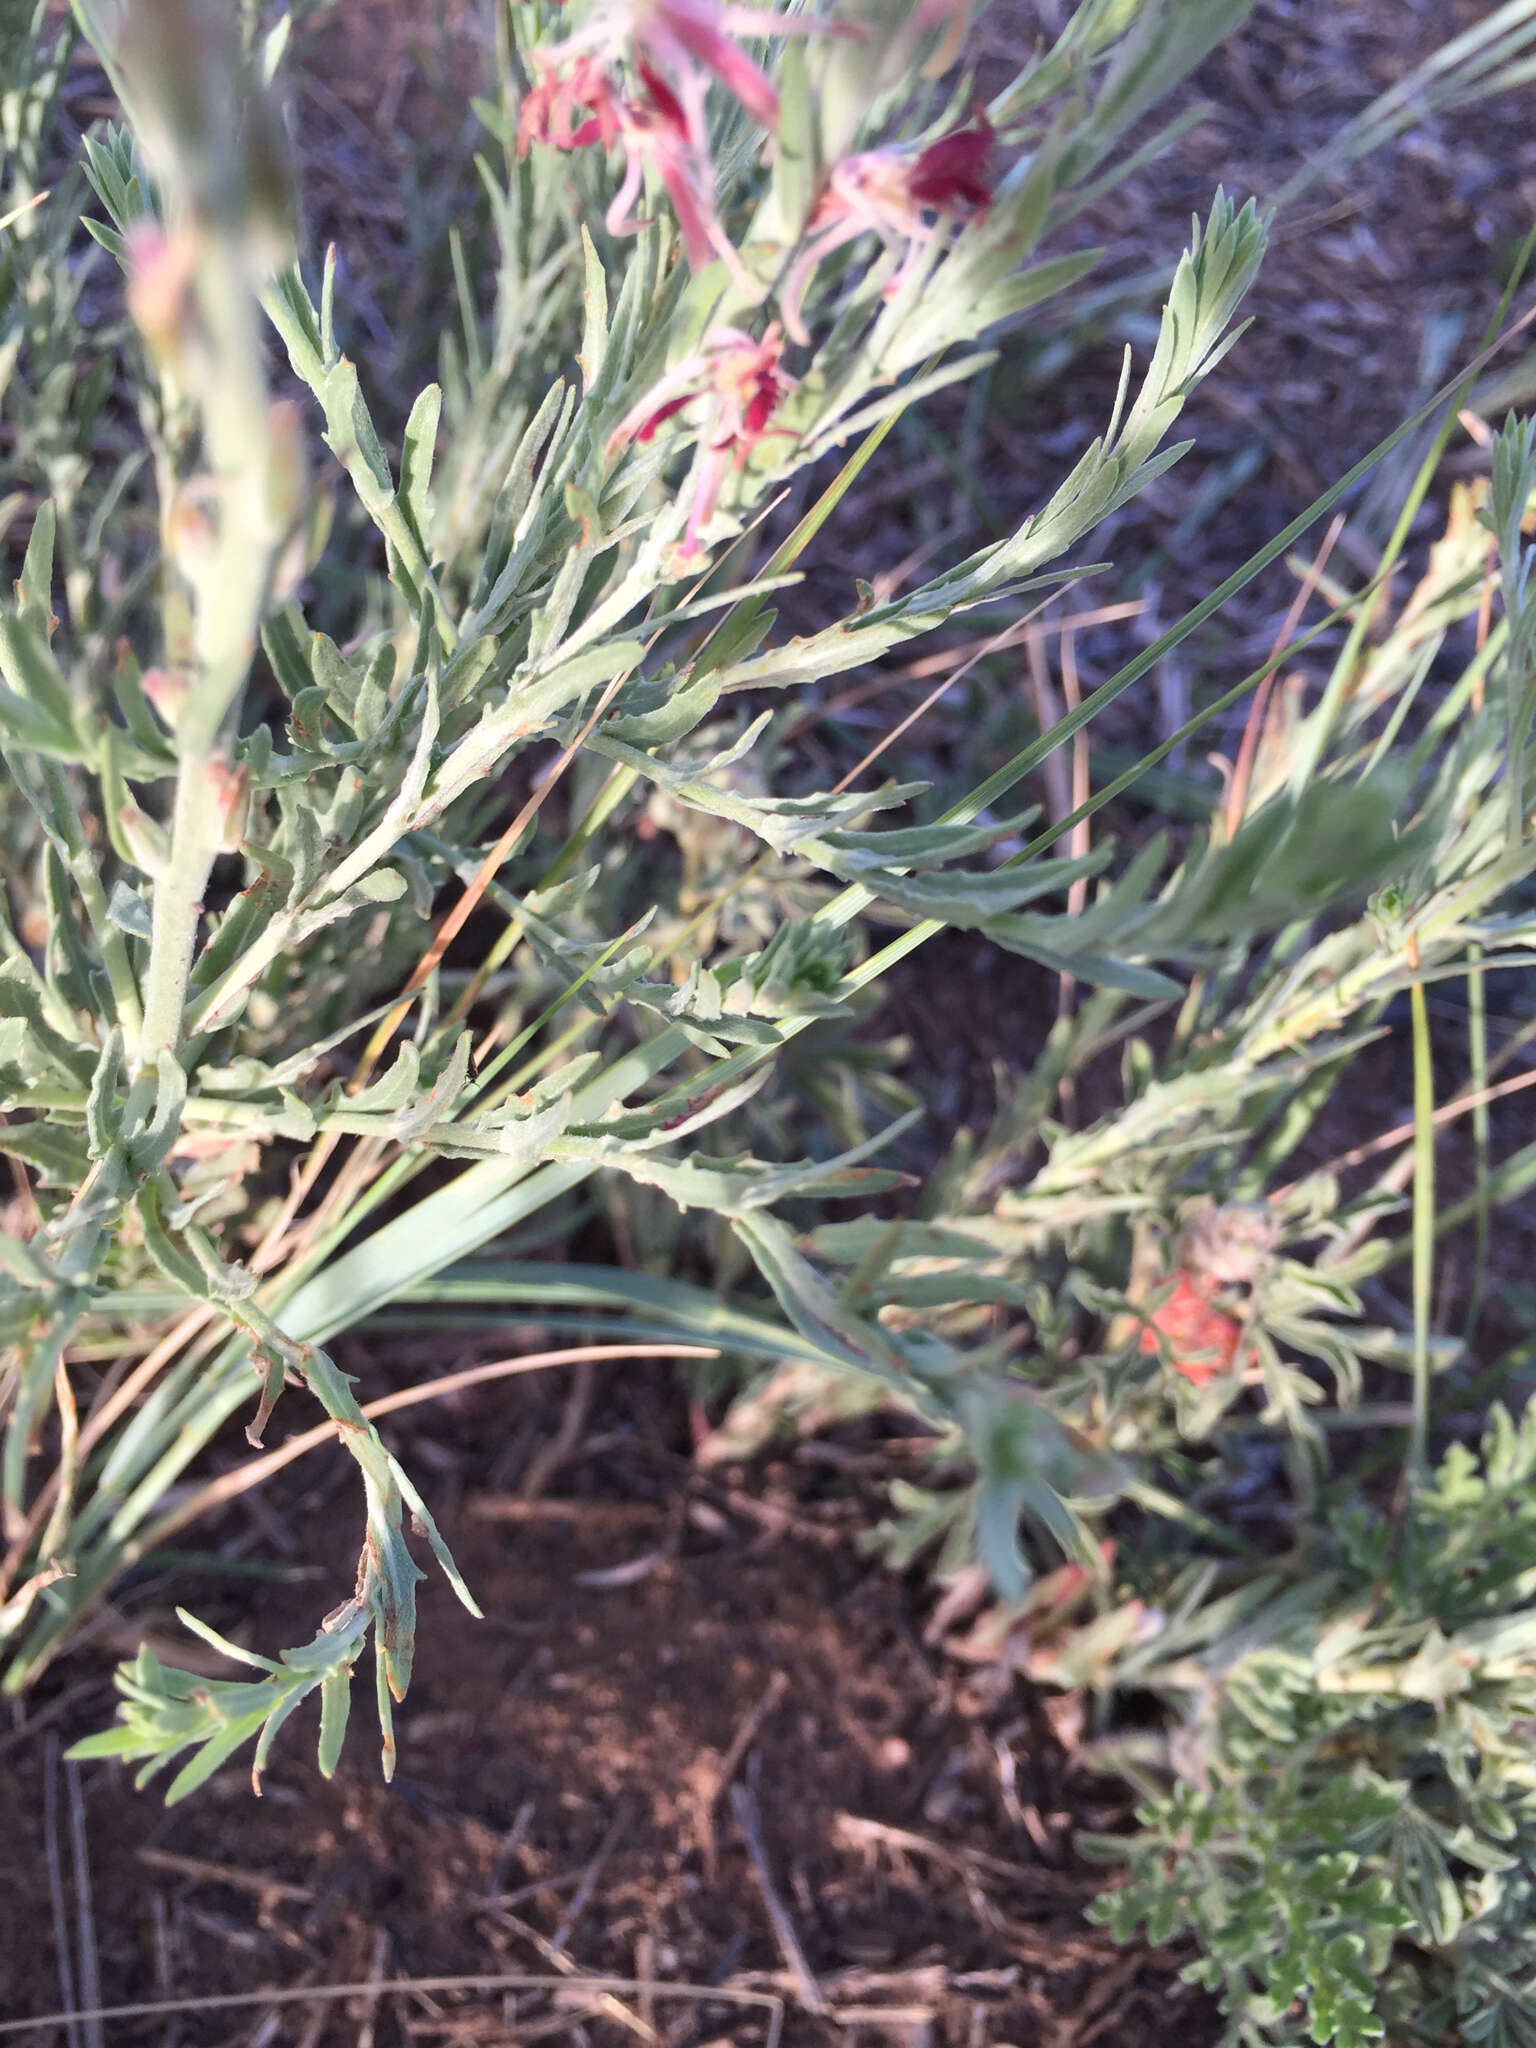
(675, 47)
(1198, 1340)
(738, 383)
(950, 175)
(658, 131)
(896, 195)
(571, 111)
(692, 38)
(659, 417)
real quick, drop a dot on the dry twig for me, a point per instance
(744, 1807)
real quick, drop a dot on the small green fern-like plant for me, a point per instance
(1352, 1842)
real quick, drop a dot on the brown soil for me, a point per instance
(561, 1805)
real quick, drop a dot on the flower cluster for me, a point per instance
(737, 384)
(676, 48)
(637, 76)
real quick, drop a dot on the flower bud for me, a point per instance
(166, 689)
(231, 786)
(144, 839)
(160, 271)
(190, 538)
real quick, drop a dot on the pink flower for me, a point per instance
(688, 42)
(898, 195)
(692, 40)
(738, 383)
(657, 131)
(675, 47)
(573, 103)
(568, 111)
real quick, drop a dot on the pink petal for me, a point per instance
(693, 213)
(739, 75)
(706, 493)
(697, 29)
(620, 219)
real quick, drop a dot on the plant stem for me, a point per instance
(228, 588)
(1423, 1229)
(1477, 1056)
(178, 903)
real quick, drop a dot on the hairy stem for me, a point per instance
(228, 585)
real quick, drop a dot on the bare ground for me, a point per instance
(690, 1694)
